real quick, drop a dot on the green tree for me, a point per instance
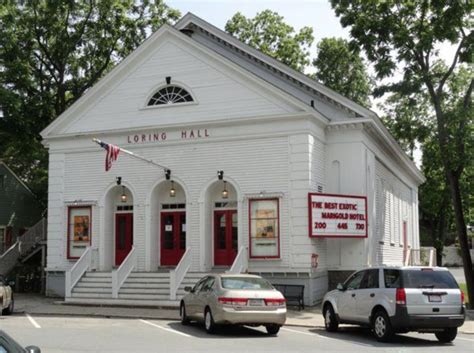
(51, 52)
(342, 69)
(268, 33)
(407, 35)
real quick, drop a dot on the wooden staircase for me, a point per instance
(25, 246)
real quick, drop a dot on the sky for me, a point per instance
(297, 13)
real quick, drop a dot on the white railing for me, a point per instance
(408, 257)
(425, 256)
(241, 262)
(120, 274)
(77, 271)
(432, 257)
(177, 275)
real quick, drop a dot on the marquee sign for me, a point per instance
(337, 216)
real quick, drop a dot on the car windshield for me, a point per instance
(428, 279)
(245, 283)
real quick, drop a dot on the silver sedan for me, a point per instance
(234, 300)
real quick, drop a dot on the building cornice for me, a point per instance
(379, 133)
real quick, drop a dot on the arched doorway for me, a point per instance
(118, 235)
(222, 202)
(168, 208)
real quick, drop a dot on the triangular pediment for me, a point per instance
(221, 90)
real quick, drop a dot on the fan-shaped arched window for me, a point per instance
(170, 94)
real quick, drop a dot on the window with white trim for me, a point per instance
(170, 94)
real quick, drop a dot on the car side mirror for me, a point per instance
(188, 289)
(341, 287)
(33, 349)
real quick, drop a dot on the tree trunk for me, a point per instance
(462, 233)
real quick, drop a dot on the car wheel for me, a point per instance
(382, 328)
(330, 321)
(183, 316)
(447, 335)
(272, 329)
(9, 310)
(209, 324)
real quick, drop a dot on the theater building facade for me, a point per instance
(265, 171)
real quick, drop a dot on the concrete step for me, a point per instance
(96, 279)
(124, 302)
(82, 284)
(141, 297)
(149, 275)
(75, 294)
(165, 291)
(77, 289)
(147, 280)
(98, 274)
(128, 284)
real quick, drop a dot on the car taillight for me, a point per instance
(401, 296)
(275, 302)
(462, 297)
(233, 301)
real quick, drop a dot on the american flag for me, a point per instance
(112, 154)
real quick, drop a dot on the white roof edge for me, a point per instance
(16, 177)
(390, 142)
(191, 18)
(170, 29)
(108, 77)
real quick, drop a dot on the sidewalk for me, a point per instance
(40, 305)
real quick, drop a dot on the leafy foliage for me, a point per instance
(51, 53)
(343, 70)
(268, 33)
(406, 35)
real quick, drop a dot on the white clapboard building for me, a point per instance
(270, 173)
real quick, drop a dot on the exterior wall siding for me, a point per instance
(219, 93)
(394, 205)
(257, 132)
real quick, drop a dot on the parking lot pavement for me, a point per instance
(81, 334)
(40, 305)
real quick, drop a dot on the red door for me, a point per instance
(225, 237)
(123, 236)
(173, 237)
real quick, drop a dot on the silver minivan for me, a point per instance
(398, 300)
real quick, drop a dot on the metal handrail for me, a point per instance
(241, 262)
(77, 271)
(120, 274)
(177, 275)
(9, 258)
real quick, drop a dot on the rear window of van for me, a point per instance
(428, 279)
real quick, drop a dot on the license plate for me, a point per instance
(255, 302)
(434, 298)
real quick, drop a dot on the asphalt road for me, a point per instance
(79, 334)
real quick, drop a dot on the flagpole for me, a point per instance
(99, 142)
